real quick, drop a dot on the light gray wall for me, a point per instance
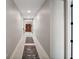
(57, 29)
(13, 27)
(41, 27)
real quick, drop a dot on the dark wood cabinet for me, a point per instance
(28, 28)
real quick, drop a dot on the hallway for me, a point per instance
(38, 29)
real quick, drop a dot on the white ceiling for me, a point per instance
(25, 5)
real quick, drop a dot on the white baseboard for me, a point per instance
(17, 54)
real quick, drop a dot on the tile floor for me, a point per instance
(29, 40)
(30, 51)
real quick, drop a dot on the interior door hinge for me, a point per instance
(71, 23)
(71, 5)
(71, 58)
(71, 41)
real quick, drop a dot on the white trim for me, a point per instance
(29, 44)
(17, 54)
(42, 53)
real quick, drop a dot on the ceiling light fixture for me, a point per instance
(28, 11)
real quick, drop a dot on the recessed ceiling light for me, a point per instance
(28, 11)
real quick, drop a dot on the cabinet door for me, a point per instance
(28, 27)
